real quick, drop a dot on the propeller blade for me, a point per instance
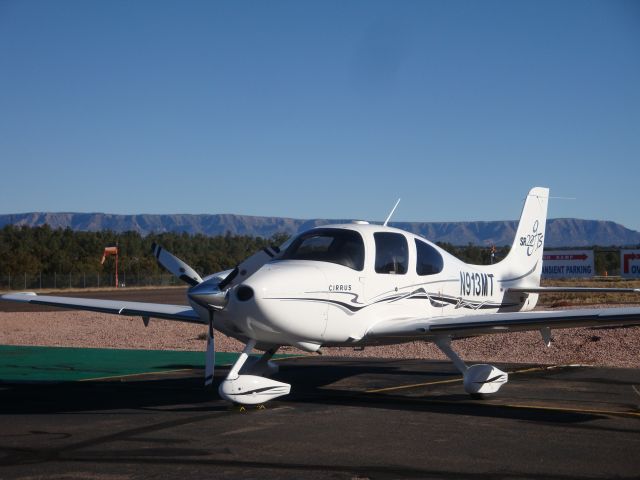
(249, 266)
(211, 354)
(176, 266)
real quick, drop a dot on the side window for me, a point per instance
(429, 260)
(392, 253)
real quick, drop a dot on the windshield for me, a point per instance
(334, 245)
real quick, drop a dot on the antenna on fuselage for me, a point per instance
(391, 213)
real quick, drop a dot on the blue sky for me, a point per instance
(321, 109)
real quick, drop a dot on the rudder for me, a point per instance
(524, 261)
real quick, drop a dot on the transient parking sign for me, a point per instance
(567, 264)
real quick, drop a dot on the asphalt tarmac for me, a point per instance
(345, 419)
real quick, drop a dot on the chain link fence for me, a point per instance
(39, 281)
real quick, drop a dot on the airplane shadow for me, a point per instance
(173, 392)
(339, 382)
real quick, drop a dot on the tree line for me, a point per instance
(45, 250)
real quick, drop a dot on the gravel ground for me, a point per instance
(603, 347)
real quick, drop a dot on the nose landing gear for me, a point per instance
(250, 389)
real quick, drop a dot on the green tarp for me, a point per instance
(56, 364)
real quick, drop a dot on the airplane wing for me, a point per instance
(572, 290)
(138, 309)
(483, 324)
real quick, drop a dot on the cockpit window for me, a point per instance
(392, 252)
(429, 261)
(333, 245)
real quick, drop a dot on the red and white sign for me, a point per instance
(567, 264)
(630, 263)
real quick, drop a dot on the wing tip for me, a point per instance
(19, 296)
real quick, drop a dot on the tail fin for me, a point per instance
(523, 264)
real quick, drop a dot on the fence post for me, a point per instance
(55, 280)
(40, 280)
(25, 280)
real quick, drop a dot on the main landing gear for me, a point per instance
(478, 379)
(244, 384)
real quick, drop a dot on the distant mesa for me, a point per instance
(561, 232)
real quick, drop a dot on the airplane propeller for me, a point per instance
(187, 274)
(213, 293)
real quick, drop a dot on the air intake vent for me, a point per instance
(244, 293)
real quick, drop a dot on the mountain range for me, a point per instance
(561, 232)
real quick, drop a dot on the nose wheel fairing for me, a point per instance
(252, 389)
(247, 388)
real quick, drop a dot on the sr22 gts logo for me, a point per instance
(532, 241)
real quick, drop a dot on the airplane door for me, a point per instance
(391, 269)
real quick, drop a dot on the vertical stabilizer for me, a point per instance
(523, 265)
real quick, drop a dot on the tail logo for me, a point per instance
(533, 241)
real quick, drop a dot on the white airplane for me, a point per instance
(360, 284)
